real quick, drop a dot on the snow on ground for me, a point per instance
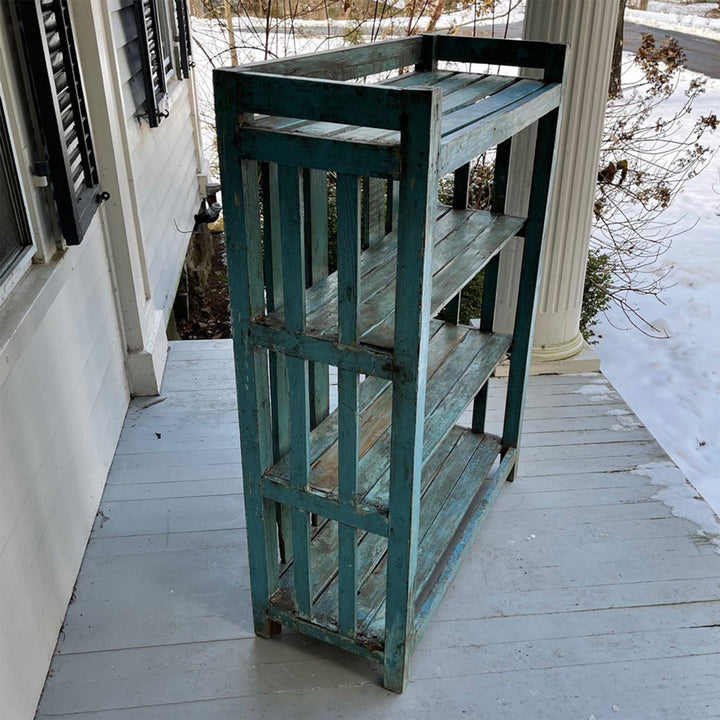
(673, 384)
(689, 18)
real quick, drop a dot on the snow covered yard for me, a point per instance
(673, 383)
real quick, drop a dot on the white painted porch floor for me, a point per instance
(583, 596)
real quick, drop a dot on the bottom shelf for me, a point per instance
(459, 484)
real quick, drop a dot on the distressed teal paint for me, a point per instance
(398, 488)
(348, 253)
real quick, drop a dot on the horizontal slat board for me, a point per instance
(471, 107)
(369, 59)
(459, 361)
(449, 481)
(464, 242)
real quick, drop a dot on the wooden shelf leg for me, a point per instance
(530, 270)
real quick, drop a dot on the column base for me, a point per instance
(146, 366)
(586, 360)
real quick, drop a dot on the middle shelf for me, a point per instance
(464, 242)
(460, 360)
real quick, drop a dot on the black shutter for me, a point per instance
(151, 58)
(62, 113)
(183, 25)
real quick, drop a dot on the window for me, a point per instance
(152, 60)
(14, 231)
(184, 44)
(67, 155)
(154, 39)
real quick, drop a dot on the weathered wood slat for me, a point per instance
(323, 153)
(469, 142)
(348, 246)
(374, 397)
(324, 100)
(293, 264)
(360, 360)
(517, 53)
(476, 236)
(369, 59)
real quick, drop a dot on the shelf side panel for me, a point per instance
(245, 270)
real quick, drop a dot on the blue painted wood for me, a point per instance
(420, 148)
(490, 278)
(279, 389)
(543, 168)
(325, 153)
(315, 216)
(323, 100)
(388, 461)
(369, 361)
(327, 634)
(466, 241)
(246, 292)
(358, 514)
(293, 263)
(348, 252)
(472, 140)
(368, 59)
(517, 53)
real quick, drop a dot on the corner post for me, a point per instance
(420, 143)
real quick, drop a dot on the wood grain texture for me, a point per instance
(162, 625)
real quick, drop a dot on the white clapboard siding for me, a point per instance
(62, 404)
(583, 595)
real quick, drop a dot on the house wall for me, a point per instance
(63, 396)
(71, 330)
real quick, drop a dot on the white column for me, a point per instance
(589, 29)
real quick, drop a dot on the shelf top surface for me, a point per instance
(467, 98)
(464, 241)
(478, 112)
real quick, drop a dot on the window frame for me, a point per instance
(152, 62)
(76, 196)
(184, 38)
(164, 45)
(18, 206)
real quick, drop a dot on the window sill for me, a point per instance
(26, 305)
(14, 277)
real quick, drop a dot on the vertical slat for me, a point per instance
(245, 272)
(279, 390)
(420, 142)
(373, 224)
(461, 186)
(428, 54)
(392, 198)
(490, 278)
(349, 243)
(316, 268)
(543, 166)
(293, 264)
(365, 218)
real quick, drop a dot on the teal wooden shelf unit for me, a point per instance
(357, 518)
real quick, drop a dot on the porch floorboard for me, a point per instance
(583, 595)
